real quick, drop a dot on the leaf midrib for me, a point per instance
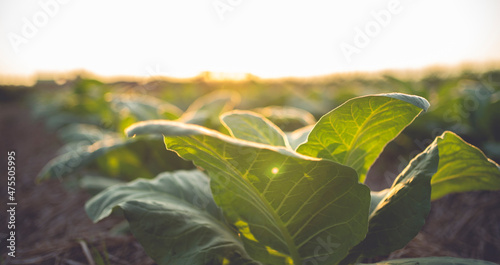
(324, 207)
(269, 139)
(359, 130)
(278, 223)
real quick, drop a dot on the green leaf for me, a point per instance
(299, 136)
(127, 158)
(355, 133)
(207, 109)
(287, 118)
(95, 184)
(250, 126)
(462, 167)
(432, 261)
(144, 107)
(306, 208)
(376, 198)
(401, 213)
(174, 217)
(85, 133)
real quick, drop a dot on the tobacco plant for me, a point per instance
(260, 196)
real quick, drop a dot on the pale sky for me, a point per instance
(269, 39)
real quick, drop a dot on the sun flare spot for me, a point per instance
(275, 170)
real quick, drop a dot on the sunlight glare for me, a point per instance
(177, 39)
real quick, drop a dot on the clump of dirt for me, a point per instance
(465, 225)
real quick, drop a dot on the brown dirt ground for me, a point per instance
(52, 227)
(51, 224)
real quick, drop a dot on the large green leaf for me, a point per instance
(128, 158)
(309, 209)
(432, 261)
(401, 213)
(462, 167)
(253, 127)
(355, 133)
(175, 218)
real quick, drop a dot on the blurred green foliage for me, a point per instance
(86, 111)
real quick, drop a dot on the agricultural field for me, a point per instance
(359, 169)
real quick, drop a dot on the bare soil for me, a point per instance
(52, 227)
(51, 224)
